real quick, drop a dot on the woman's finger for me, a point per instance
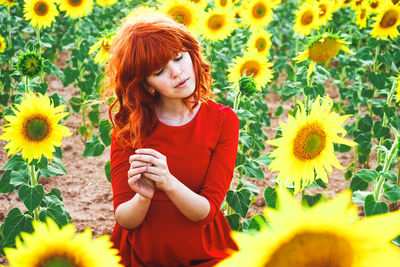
(137, 163)
(138, 170)
(146, 158)
(149, 151)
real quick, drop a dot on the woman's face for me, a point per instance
(176, 79)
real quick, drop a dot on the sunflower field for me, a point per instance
(316, 87)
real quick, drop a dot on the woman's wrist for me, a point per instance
(142, 199)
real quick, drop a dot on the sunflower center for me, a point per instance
(58, 262)
(324, 49)
(261, 44)
(313, 249)
(259, 10)
(323, 9)
(36, 128)
(395, 2)
(309, 142)
(346, 2)
(75, 2)
(389, 18)
(307, 18)
(41, 8)
(180, 15)
(359, 2)
(31, 65)
(223, 2)
(105, 45)
(374, 5)
(250, 68)
(363, 13)
(216, 22)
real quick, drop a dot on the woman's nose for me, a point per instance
(175, 70)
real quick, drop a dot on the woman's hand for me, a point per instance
(140, 184)
(157, 170)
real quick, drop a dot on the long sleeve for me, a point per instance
(220, 171)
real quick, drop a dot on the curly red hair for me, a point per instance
(139, 49)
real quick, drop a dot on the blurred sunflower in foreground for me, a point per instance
(328, 234)
(34, 128)
(8, 3)
(321, 49)
(41, 13)
(217, 24)
(51, 246)
(306, 145)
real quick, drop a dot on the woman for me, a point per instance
(173, 151)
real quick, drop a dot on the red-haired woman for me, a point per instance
(173, 150)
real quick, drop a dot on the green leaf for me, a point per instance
(391, 175)
(365, 123)
(278, 111)
(250, 169)
(20, 177)
(378, 80)
(15, 163)
(105, 132)
(270, 197)
(359, 196)
(5, 185)
(54, 208)
(239, 200)
(94, 115)
(70, 75)
(56, 168)
(257, 222)
(358, 184)
(55, 192)
(31, 196)
(310, 200)
(15, 223)
(93, 148)
(234, 221)
(264, 160)
(107, 170)
(392, 192)
(76, 103)
(368, 176)
(372, 207)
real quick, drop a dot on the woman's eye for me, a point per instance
(179, 57)
(159, 72)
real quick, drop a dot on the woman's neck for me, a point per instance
(175, 113)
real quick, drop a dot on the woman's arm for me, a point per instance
(131, 213)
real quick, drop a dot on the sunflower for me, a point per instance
(49, 246)
(336, 5)
(106, 2)
(260, 42)
(325, 11)
(374, 6)
(328, 234)
(306, 18)
(8, 3)
(306, 145)
(362, 14)
(322, 48)
(217, 24)
(202, 4)
(256, 13)
(30, 64)
(141, 12)
(386, 21)
(34, 128)
(3, 44)
(227, 4)
(76, 8)
(182, 11)
(41, 13)
(253, 65)
(103, 55)
(355, 4)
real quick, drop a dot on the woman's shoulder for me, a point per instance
(219, 109)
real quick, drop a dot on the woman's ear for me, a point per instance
(149, 89)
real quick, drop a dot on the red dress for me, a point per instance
(201, 154)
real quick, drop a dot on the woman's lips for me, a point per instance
(182, 84)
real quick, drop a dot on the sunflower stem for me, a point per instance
(34, 181)
(9, 40)
(27, 84)
(388, 159)
(237, 100)
(385, 121)
(38, 40)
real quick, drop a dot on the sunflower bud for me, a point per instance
(247, 86)
(30, 64)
